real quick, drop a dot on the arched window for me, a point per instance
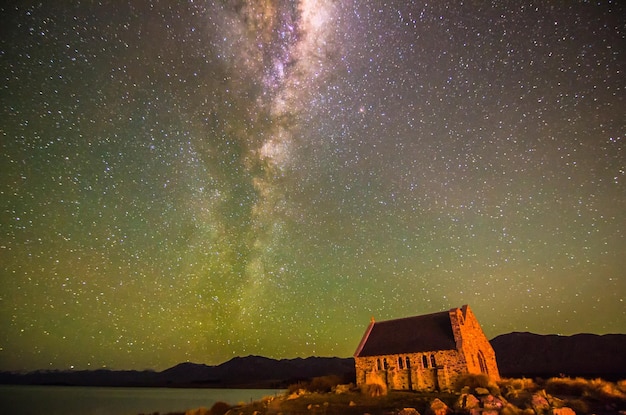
(385, 366)
(400, 363)
(482, 362)
(378, 364)
(408, 362)
(425, 361)
(432, 361)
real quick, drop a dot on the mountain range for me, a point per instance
(585, 355)
(518, 355)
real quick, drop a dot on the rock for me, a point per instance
(339, 389)
(539, 402)
(297, 394)
(563, 411)
(466, 402)
(408, 411)
(491, 402)
(438, 407)
(481, 391)
(352, 403)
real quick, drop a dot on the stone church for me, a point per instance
(427, 352)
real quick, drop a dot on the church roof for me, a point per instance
(426, 333)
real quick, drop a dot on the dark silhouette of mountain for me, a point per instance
(240, 372)
(256, 371)
(585, 355)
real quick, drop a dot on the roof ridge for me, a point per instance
(412, 317)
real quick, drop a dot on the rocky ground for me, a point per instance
(509, 397)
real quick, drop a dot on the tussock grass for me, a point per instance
(595, 389)
(321, 384)
(470, 382)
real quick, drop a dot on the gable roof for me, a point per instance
(425, 333)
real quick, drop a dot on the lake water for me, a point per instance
(72, 400)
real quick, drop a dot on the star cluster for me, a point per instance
(197, 181)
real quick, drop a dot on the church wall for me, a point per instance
(473, 344)
(420, 374)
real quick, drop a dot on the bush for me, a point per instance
(578, 405)
(597, 389)
(324, 384)
(565, 386)
(321, 384)
(219, 408)
(374, 389)
(473, 381)
(518, 391)
(296, 387)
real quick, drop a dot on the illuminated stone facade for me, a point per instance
(426, 352)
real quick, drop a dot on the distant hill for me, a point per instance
(585, 355)
(518, 355)
(240, 372)
(257, 371)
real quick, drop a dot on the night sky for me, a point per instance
(194, 181)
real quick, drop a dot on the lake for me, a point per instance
(73, 400)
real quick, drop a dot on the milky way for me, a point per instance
(198, 181)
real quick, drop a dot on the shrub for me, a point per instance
(296, 387)
(597, 389)
(565, 386)
(518, 391)
(603, 389)
(473, 381)
(324, 384)
(219, 408)
(374, 389)
(578, 405)
(321, 384)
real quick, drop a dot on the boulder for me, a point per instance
(491, 402)
(563, 411)
(438, 407)
(343, 388)
(408, 411)
(466, 402)
(539, 403)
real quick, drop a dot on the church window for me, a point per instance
(408, 362)
(425, 361)
(400, 363)
(378, 364)
(482, 362)
(432, 360)
(385, 366)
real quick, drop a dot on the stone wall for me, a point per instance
(436, 370)
(473, 344)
